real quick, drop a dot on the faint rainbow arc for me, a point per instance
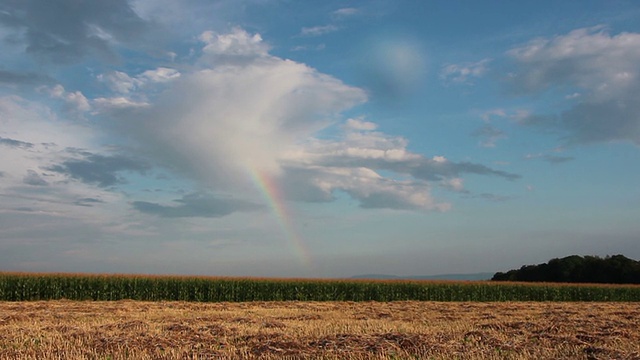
(274, 197)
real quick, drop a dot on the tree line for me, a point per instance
(616, 269)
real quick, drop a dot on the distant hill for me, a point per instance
(616, 269)
(470, 277)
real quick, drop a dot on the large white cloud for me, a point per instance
(241, 111)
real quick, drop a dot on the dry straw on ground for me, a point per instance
(324, 330)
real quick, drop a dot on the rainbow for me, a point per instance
(272, 194)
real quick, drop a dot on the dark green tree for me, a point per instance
(616, 269)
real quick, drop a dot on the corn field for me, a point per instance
(31, 287)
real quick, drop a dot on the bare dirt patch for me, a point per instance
(322, 330)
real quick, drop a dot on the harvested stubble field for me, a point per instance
(65, 329)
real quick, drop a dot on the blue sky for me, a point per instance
(317, 139)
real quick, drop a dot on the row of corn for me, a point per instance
(29, 287)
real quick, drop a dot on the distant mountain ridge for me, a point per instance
(470, 277)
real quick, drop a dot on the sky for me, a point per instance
(275, 138)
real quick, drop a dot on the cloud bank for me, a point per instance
(600, 73)
(235, 112)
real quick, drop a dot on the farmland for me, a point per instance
(332, 330)
(76, 316)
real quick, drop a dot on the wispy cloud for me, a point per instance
(196, 205)
(121, 82)
(345, 12)
(488, 135)
(15, 143)
(23, 78)
(550, 158)
(318, 30)
(98, 169)
(318, 47)
(34, 179)
(464, 73)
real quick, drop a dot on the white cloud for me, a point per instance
(74, 101)
(218, 121)
(32, 122)
(488, 135)
(118, 103)
(602, 68)
(78, 101)
(356, 144)
(552, 158)
(320, 167)
(122, 83)
(463, 73)
(487, 115)
(318, 30)
(318, 47)
(43, 209)
(359, 124)
(119, 82)
(520, 115)
(57, 34)
(160, 75)
(344, 12)
(589, 58)
(236, 43)
(455, 184)
(44, 140)
(371, 190)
